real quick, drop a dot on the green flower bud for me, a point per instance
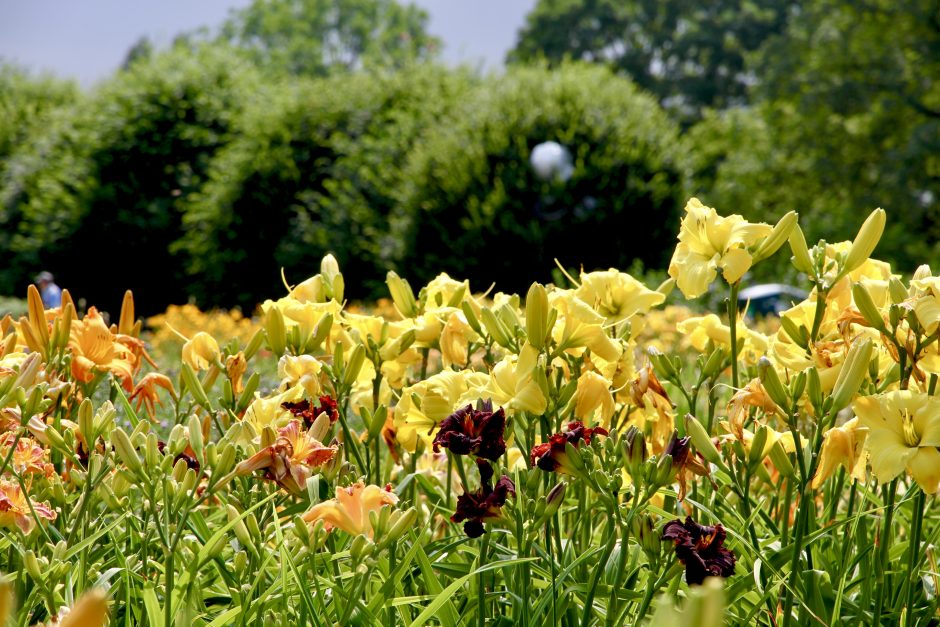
(494, 328)
(865, 241)
(195, 436)
(771, 382)
(700, 438)
(402, 295)
(866, 306)
(275, 330)
(781, 460)
(125, 451)
(779, 235)
(852, 374)
(536, 315)
(801, 258)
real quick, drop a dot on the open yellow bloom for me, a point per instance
(350, 509)
(425, 404)
(268, 411)
(904, 433)
(94, 348)
(201, 351)
(617, 296)
(593, 395)
(455, 340)
(578, 327)
(708, 243)
(513, 386)
(842, 446)
(300, 369)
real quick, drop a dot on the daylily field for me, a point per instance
(582, 454)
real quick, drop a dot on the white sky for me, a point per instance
(88, 39)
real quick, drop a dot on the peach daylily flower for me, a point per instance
(291, 459)
(15, 510)
(28, 457)
(350, 509)
(145, 392)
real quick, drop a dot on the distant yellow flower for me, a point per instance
(699, 330)
(513, 385)
(442, 290)
(94, 348)
(15, 508)
(842, 446)
(708, 243)
(904, 433)
(201, 351)
(350, 509)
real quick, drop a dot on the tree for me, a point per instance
(690, 55)
(849, 120)
(315, 37)
(95, 196)
(473, 205)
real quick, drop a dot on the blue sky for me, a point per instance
(87, 39)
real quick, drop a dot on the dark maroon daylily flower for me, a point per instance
(307, 411)
(484, 504)
(700, 548)
(473, 431)
(551, 455)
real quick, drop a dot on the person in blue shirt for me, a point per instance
(50, 292)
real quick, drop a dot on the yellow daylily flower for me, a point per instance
(350, 509)
(513, 386)
(904, 433)
(300, 369)
(201, 351)
(268, 411)
(593, 395)
(578, 327)
(425, 404)
(842, 446)
(617, 296)
(708, 243)
(455, 340)
(442, 290)
(700, 329)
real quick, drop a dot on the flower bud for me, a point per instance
(241, 530)
(814, 388)
(495, 328)
(554, 499)
(37, 317)
(125, 450)
(700, 438)
(758, 444)
(771, 383)
(665, 288)
(240, 562)
(853, 373)
(275, 330)
(663, 474)
(801, 258)
(195, 436)
(31, 563)
(402, 295)
(866, 306)
(662, 363)
(865, 241)
(401, 522)
(194, 386)
(634, 450)
(781, 460)
(354, 364)
(713, 363)
(536, 315)
(779, 235)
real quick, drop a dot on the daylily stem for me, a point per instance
(913, 554)
(733, 324)
(882, 560)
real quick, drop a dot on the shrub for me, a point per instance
(314, 170)
(473, 205)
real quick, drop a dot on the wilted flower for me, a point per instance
(708, 243)
(15, 508)
(350, 509)
(235, 368)
(842, 446)
(291, 459)
(308, 411)
(904, 433)
(473, 431)
(551, 455)
(701, 549)
(751, 395)
(484, 504)
(145, 392)
(684, 462)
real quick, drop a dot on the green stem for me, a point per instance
(733, 323)
(481, 592)
(913, 554)
(882, 559)
(599, 571)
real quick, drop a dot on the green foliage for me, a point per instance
(26, 102)
(314, 170)
(315, 37)
(689, 56)
(102, 183)
(472, 204)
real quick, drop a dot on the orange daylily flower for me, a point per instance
(94, 348)
(145, 392)
(350, 509)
